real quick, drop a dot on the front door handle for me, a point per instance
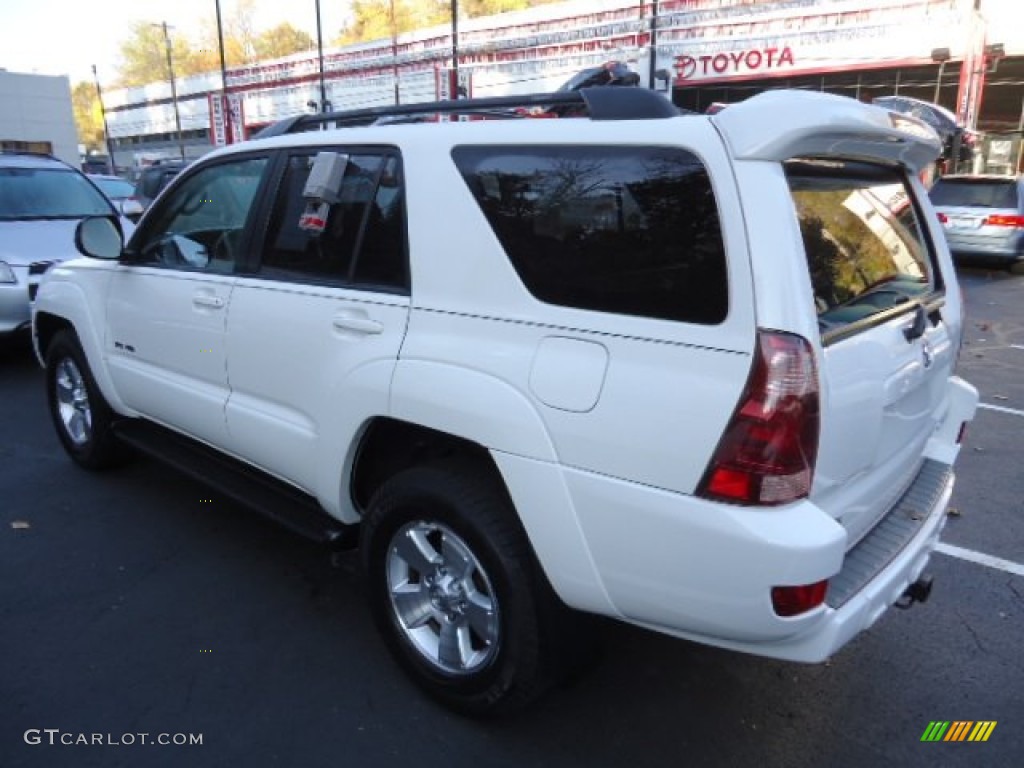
(357, 323)
(208, 301)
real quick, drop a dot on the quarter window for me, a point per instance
(629, 230)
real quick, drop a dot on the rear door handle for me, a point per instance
(358, 324)
(208, 301)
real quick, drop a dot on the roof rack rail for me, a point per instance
(600, 103)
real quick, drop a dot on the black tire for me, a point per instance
(504, 662)
(80, 415)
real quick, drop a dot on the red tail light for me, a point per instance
(768, 451)
(1000, 220)
(792, 601)
(943, 218)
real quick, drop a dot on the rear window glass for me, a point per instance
(628, 230)
(864, 245)
(974, 193)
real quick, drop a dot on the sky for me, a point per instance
(66, 37)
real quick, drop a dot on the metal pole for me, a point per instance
(938, 82)
(174, 90)
(320, 53)
(225, 108)
(106, 132)
(455, 49)
(654, 46)
(394, 47)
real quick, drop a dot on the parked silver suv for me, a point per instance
(983, 218)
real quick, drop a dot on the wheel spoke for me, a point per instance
(412, 604)
(415, 549)
(65, 388)
(456, 557)
(454, 648)
(480, 616)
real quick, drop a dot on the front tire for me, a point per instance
(81, 416)
(456, 591)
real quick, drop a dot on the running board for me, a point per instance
(283, 503)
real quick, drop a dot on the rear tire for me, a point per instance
(456, 591)
(81, 416)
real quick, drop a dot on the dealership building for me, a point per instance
(967, 55)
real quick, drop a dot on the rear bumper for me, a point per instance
(1006, 250)
(704, 571)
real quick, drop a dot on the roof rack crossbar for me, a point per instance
(601, 103)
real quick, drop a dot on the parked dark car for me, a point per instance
(154, 178)
(983, 217)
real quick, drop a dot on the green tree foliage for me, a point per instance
(88, 118)
(144, 55)
(282, 40)
(372, 19)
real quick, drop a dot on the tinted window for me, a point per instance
(114, 188)
(362, 240)
(200, 224)
(987, 193)
(39, 193)
(864, 246)
(631, 230)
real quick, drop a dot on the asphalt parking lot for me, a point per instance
(138, 602)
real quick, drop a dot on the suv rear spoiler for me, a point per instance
(806, 124)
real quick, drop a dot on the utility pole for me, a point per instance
(225, 108)
(320, 52)
(455, 50)
(174, 88)
(394, 47)
(653, 68)
(106, 131)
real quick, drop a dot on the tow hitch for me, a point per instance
(918, 592)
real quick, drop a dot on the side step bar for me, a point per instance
(297, 511)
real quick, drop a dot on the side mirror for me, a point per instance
(98, 237)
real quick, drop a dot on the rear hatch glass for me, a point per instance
(874, 277)
(865, 251)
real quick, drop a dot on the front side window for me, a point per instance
(200, 224)
(628, 230)
(864, 244)
(43, 193)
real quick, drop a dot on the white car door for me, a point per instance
(169, 299)
(314, 331)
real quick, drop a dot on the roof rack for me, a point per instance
(599, 103)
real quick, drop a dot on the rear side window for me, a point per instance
(628, 230)
(975, 193)
(864, 245)
(362, 242)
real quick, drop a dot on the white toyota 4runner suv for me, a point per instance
(690, 372)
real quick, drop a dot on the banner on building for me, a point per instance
(220, 118)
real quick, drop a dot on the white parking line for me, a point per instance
(981, 558)
(1017, 346)
(1001, 409)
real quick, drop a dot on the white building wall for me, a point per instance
(38, 108)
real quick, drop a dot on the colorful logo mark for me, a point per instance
(958, 730)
